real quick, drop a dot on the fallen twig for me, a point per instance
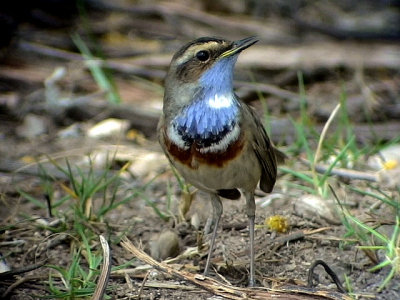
(328, 270)
(22, 270)
(20, 281)
(232, 292)
(346, 173)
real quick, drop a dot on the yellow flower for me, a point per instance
(277, 223)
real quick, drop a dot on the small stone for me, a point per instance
(71, 131)
(3, 265)
(309, 206)
(166, 245)
(32, 126)
(195, 221)
(108, 127)
(145, 164)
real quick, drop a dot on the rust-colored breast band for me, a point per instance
(193, 157)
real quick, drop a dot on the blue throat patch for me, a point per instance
(205, 125)
(214, 110)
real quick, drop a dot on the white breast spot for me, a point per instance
(220, 101)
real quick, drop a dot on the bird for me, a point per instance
(211, 137)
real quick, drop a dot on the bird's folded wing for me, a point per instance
(262, 147)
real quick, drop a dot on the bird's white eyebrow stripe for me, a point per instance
(189, 53)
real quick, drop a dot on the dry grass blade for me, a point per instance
(323, 135)
(230, 292)
(105, 270)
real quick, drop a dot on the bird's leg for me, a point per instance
(217, 212)
(251, 212)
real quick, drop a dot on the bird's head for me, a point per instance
(204, 65)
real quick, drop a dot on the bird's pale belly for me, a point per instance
(220, 170)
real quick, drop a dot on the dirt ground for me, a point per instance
(282, 262)
(282, 258)
(34, 135)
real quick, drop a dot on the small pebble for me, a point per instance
(165, 246)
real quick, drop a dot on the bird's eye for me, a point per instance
(203, 55)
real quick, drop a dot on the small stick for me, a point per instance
(346, 173)
(143, 283)
(19, 282)
(22, 270)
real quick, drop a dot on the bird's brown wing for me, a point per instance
(263, 149)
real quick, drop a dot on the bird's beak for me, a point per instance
(239, 46)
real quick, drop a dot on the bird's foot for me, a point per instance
(209, 226)
(252, 283)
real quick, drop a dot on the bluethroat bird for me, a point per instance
(209, 135)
